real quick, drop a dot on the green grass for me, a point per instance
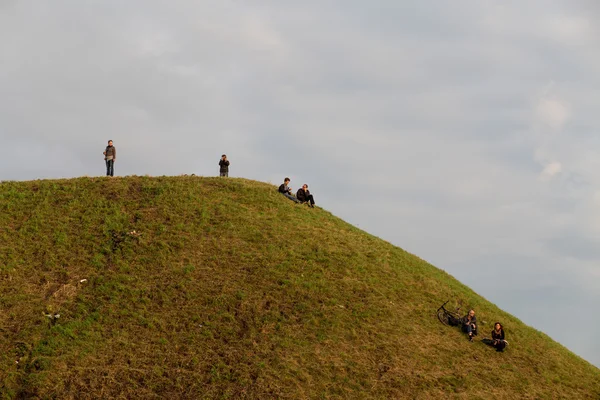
(228, 290)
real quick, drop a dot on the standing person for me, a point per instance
(110, 156)
(224, 164)
(470, 324)
(285, 190)
(304, 196)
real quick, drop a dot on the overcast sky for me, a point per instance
(466, 132)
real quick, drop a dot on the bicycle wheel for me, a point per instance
(443, 316)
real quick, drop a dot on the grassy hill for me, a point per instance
(187, 287)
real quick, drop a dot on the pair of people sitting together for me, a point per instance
(302, 195)
(469, 326)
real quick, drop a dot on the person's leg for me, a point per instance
(289, 196)
(500, 345)
(221, 173)
(469, 330)
(107, 167)
(112, 167)
(311, 200)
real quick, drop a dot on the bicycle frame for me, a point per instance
(448, 317)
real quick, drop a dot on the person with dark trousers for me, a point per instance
(110, 156)
(285, 190)
(469, 324)
(498, 337)
(224, 166)
(304, 196)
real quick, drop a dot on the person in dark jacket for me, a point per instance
(110, 156)
(469, 326)
(285, 190)
(224, 166)
(498, 340)
(304, 196)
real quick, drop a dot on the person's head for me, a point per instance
(497, 326)
(286, 180)
(110, 142)
(224, 156)
(305, 187)
(471, 313)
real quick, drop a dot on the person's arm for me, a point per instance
(281, 188)
(227, 162)
(501, 334)
(114, 154)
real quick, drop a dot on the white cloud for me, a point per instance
(551, 170)
(569, 30)
(552, 113)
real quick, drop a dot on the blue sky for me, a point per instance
(462, 131)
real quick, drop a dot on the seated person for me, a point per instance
(304, 196)
(498, 337)
(285, 190)
(469, 324)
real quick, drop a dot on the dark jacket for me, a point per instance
(283, 188)
(110, 151)
(224, 164)
(498, 336)
(302, 195)
(466, 320)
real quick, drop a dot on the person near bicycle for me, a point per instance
(498, 337)
(470, 324)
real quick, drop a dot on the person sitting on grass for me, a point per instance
(470, 324)
(304, 196)
(285, 190)
(498, 337)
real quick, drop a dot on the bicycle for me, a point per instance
(447, 317)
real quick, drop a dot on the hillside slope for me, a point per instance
(187, 287)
